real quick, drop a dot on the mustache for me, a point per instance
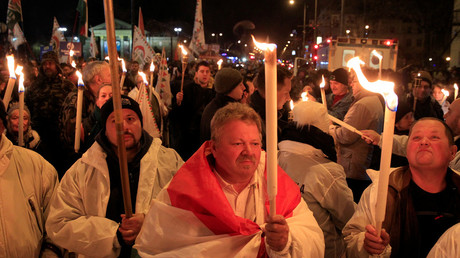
(251, 158)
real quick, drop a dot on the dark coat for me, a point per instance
(217, 102)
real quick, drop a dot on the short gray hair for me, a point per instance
(234, 111)
(92, 69)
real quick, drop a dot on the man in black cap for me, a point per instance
(423, 102)
(87, 212)
(44, 99)
(339, 101)
(229, 88)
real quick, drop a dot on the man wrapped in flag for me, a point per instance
(217, 205)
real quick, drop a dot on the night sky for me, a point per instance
(273, 18)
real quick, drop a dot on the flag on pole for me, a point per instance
(18, 37)
(163, 86)
(142, 52)
(13, 17)
(148, 118)
(82, 9)
(56, 37)
(140, 23)
(92, 45)
(197, 43)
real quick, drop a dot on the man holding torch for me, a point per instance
(423, 199)
(87, 211)
(216, 205)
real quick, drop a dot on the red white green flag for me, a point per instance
(197, 44)
(92, 45)
(56, 36)
(82, 9)
(142, 52)
(163, 86)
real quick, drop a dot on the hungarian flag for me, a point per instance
(197, 44)
(148, 117)
(56, 36)
(142, 52)
(82, 9)
(192, 217)
(18, 37)
(140, 22)
(163, 86)
(92, 45)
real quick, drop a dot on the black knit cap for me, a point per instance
(226, 80)
(126, 103)
(340, 75)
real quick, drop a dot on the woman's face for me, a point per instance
(14, 121)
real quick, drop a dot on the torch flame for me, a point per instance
(107, 58)
(123, 66)
(263, 46)
(74, 65)
(323, 83)
(143, 77)
(445, 92)
(10, 59)
(21, 78)
(291, 103)
(304, 96)
(383, 87)
(184, 52)
(375, 53)
(71, 53)
(455, 86)
(152, 67)
(80, 80)
(220, 62)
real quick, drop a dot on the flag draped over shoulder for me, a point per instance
(192, 217)
(142, 52)
(163, 86)
(197, 43)
(140, 22)
(56, 36)
(92, 45)
(82, 9)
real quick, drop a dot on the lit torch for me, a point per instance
(219, 64)
(271, 120)
(80, 88)
(152, 69)
(446, 94)
(455, 91)
(391, 104)
(21, 106)
(11, 81)
(323, 93)
(184, 65)
(123, 74)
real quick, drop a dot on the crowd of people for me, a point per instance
(197, 180)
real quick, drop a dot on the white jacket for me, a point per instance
(448, 244)
(323, 187)
(27, 183)
(77, 218)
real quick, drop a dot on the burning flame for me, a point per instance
(263, 46)
(10, 59)
(323, 83)
(291, 103)
(152, 67)
(21, 78)
(143, 77)
(123, 66)
(455, 86)
(445, 92)
(107, 58)
(80, 80)
(375, 53)
(74, 65)
(71, 53)
(304, 96)
(383, 87)
(184, 52)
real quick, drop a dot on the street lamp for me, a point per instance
(178, 30)
(217, 35)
